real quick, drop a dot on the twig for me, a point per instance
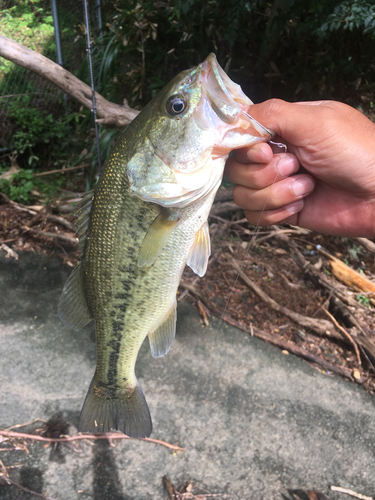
(17, 426)
(310, 272)
(18, 206)
(170, 488)
(347, 334)
(174, 494)
(368, 244)
(351, 493)
(320, 326)
(59, 171)
(9, 251)
(109, 435)
(273, 339)
(62, 221)
(277, 233)
(10, 481)
(62, 237)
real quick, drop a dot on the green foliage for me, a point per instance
(350, 15)
(23, 186)
(294, 50)
(363, 300)
(34, 129)
(27, 23)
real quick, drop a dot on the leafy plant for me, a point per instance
(23, 186)
(363, 300)
(34, 128)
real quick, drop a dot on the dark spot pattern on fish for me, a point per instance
(115, 345)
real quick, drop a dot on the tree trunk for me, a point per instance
(109, 114)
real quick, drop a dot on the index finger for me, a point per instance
(260, 153)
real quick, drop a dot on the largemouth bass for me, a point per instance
(145, 220)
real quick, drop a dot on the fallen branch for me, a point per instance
(108, 113)
(18, 206)
(368, 244)
(109, 435)
(320, 326)
(9, 251)
(345, 333)
(349, 277)
(184, 494)
(62, 221)
(273, 339)
(351, 493)
(278, 232)
(62, 237)
(60, 171)
(310, 272)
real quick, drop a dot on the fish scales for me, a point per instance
(147, 220)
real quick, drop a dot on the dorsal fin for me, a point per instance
(73, 309)
(83, 217)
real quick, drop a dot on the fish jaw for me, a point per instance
(179, 161)
(225, 107)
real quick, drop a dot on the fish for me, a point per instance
(145, 220)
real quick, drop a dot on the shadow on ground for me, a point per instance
(254, 422)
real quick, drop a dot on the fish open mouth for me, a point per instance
(224, 98)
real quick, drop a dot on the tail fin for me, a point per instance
(115, 409)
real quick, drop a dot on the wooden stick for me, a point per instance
(61, 220)
(62, 237)
(351, 493)
(320, 326)
(273, 339)
(109, 435)
(346, 333)
(18, 206)
(109, 113)
(60, 171)
(368, 244)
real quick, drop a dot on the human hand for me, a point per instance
(326, 181)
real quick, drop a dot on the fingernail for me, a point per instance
(250, 154)
(287, 165)
(294, 207)
(302, 186)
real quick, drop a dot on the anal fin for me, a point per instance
(161, 339)
(200, 251)
(156, 238)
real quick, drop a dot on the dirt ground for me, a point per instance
(334, 329)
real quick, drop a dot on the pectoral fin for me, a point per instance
(161, 339)
(156, 238)
(200, 251)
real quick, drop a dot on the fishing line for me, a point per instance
(257, 229)
(88, 50)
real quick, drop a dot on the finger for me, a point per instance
(294, 122)
(287, 214)
(276, 195)
(259, 175)
(260, 153)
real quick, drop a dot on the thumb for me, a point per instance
(294, 122)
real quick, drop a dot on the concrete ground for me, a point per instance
(255, 423)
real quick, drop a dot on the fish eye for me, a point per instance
(176, 105)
